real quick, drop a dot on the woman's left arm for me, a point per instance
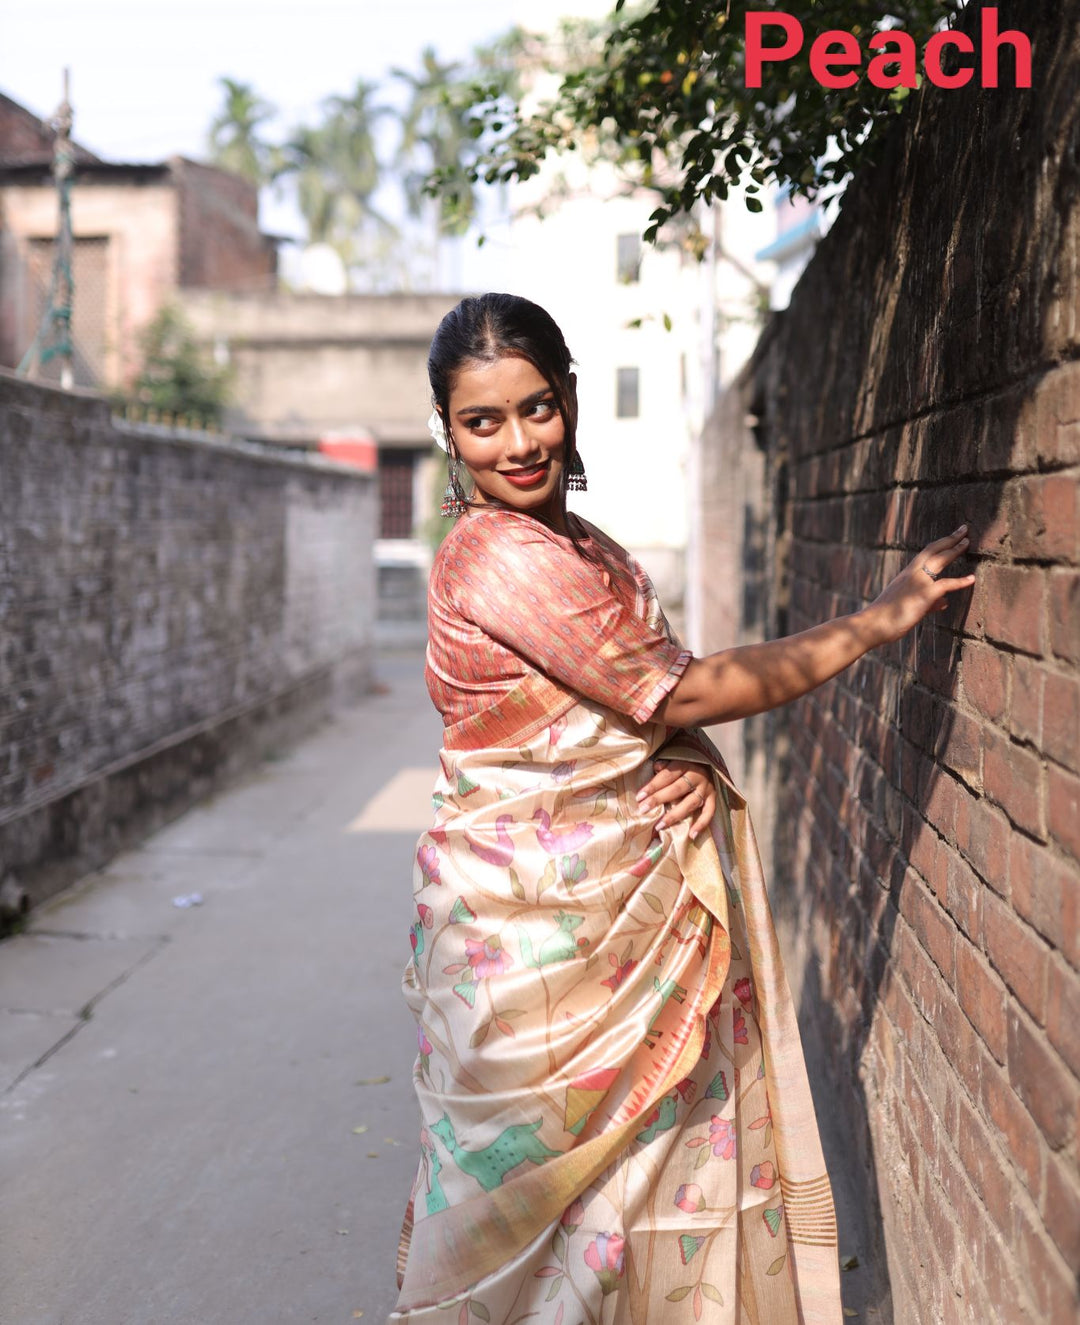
(684, 789)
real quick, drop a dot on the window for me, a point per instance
(395, 494)
(628, 258)
(626, 393)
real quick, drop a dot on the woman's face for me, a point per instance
(509, 433)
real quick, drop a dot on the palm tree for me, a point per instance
(235, 141)
(434, 137)
(338, 172)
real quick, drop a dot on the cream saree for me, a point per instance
(616, 1123)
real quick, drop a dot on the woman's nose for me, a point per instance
(519, 441)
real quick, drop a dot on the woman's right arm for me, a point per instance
(752, 678)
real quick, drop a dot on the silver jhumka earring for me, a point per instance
(453, 503)
(575, 474)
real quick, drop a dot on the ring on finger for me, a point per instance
(929, 572)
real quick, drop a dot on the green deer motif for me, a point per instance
(490, 1165)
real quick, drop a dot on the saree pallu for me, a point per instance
(616, 1122)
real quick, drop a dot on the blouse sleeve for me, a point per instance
(552, 607)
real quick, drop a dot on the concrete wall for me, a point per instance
(926, 857)
(307, 364)
(171, 604)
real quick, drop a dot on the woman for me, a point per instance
(616, 1122)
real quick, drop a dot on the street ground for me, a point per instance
(206, 1111)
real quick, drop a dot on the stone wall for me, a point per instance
(171, 606)
(926, 859)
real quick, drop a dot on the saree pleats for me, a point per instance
(616, 1122)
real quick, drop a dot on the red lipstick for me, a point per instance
(526, 478)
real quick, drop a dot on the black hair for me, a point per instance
(486, 327)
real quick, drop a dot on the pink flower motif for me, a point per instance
(722, 1137)
(604, 1256)
(620, 972)
(428, 860)
(739, 1028)
(573, 1216)
(744, 992)
(563, 772)
(763, 1175)
(690, 1198)
(487, 956)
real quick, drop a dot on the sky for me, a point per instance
(144, 73)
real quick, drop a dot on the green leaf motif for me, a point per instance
(466, 990)
(772, 1217)
(516, 887)
(478, 1309)
(677, 1294)
(712, 1293)
(777, 1265)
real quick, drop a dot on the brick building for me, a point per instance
(141, 233)
(925, 845)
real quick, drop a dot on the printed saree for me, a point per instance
(616, 1123)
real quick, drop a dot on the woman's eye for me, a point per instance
(544, 408)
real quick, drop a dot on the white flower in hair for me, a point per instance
(438, 432)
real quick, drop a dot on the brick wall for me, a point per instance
(926, 861)
(221, 246)
(171, 605)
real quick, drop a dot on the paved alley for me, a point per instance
(208, 1116)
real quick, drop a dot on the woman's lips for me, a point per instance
(525, 478)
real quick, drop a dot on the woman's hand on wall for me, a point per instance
(919, 589)
(684, 789)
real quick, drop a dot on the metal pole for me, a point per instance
(53, 339)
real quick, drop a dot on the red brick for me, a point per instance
(961, 1046)
(985, 1173)
(1016, 1127)
(1043, 1083)
(1006, 1272)
(1008, 602)
(1054, 1288)
(1045, 526)
(1058, 430)
(940, 803)
(1012, 778)
(984, 679)
(1026, 704)
(1061, 1208)
(1061, 720)
(962, 737)
(982, 996)
(1065, 614)
(1046, 892)
(923, 855)
(982, 835)
(963, 896)
(942, 1224)
(1063, 806)
(1018, 955)
(919, 972)
(931, 926)
(1063, 1012)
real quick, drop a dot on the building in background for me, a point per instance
(142, 233)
